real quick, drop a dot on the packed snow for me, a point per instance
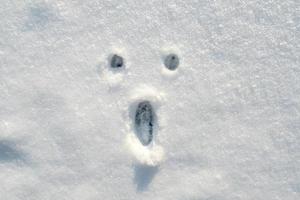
(226, 118)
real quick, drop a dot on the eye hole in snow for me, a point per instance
(171, 61)
(144, 121)
(116, 61)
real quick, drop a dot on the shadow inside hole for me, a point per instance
(143, 176)
(9, 152)
(116, 63)
(105, 67)
(171, 61)
(144, 122)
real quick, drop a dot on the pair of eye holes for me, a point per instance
(171, 61)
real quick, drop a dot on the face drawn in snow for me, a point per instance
(142, 105)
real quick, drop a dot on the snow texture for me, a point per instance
(227, 119)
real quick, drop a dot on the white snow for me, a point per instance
(228, 119)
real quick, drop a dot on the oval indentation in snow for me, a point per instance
(144, 122)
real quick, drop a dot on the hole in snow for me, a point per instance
(116, 61)
(171, 61)
(144, 122)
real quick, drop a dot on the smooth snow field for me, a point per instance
(150, 100)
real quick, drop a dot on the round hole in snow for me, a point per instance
(171, 61)
(116, 61)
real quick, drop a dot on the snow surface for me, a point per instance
(228, 119)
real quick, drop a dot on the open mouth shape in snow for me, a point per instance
(145, 125)
(144, 122)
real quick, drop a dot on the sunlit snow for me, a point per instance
(226, 119)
